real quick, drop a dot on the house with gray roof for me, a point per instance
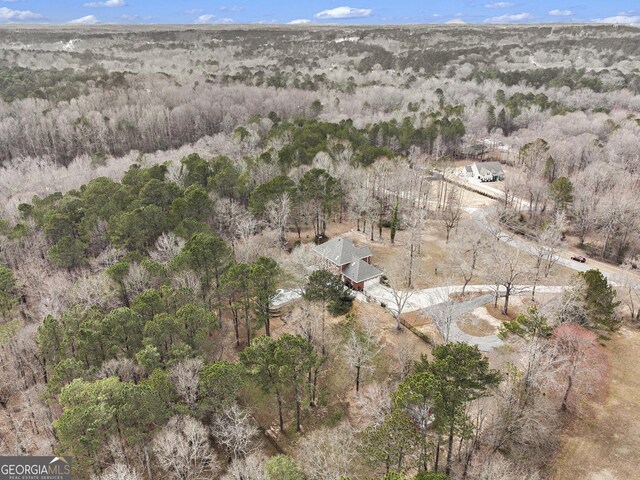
(351, 262)
(485, 171)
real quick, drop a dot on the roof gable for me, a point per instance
(485, 168)
(341, 251)
(359, 271)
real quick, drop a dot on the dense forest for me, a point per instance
(163, 188)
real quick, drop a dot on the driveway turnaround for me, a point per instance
(445, 316)
(436, 303)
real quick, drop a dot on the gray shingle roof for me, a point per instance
(359, 271)
(341, 251)
(491, 167)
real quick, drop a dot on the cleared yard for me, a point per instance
(604, 444)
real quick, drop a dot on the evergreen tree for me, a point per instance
(208, 256)
(491, 118)
(264, 277)
(561, 192)
(219, 386)
(600, 299)
(283, 467)
(327, 289)
(8, 293)
(391, 442)
(394, 222)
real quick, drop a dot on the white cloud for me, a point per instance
(194, 10)
(499, 5)
(88, 20)
(107, 3)
(9, 14)
(456, 21)
(560, 13)
(133, 18)
(208, 18)
(625, 19)
(344, 12)
(299, 21)
(516, 17)
(232, 8)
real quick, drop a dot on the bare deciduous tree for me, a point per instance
(91, 289)
(583, 364)
(185, 376)
(400, 299)
(452, 211)
(360, 349)
(630, 288)
(373, 404)
(137, 280)
(405, 354)
(416, 223)
(182, 449)
(167, 247)
(278, 212)
(188, 280)
(123, 368)
(465, 254)
(443, 312)
(251, 467)
(235, 430)
(508, 271)
(328, 453)
(546, 245)
(119, 471)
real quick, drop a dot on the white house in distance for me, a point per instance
(484, 171)
(353, 263)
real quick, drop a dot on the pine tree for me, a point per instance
(394, 222)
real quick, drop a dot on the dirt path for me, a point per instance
(606, 447)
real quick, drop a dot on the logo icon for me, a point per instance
(35, 468)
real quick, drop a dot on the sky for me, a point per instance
(318, 12)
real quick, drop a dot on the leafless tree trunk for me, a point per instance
(182, 449)
(235, 430)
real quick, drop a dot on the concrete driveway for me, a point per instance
(436, 303)
(421, 299)
(446, 315)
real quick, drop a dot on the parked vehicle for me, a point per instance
(579, 258)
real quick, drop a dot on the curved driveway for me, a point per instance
(436, 303)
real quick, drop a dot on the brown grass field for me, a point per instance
(606, 445)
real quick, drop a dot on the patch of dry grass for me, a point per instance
(497, 312)
(476, 326)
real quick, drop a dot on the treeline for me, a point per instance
(56, 85)
(557, 77)
(162, 103)
(115, 123)
(133, 214)
(308, 137)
